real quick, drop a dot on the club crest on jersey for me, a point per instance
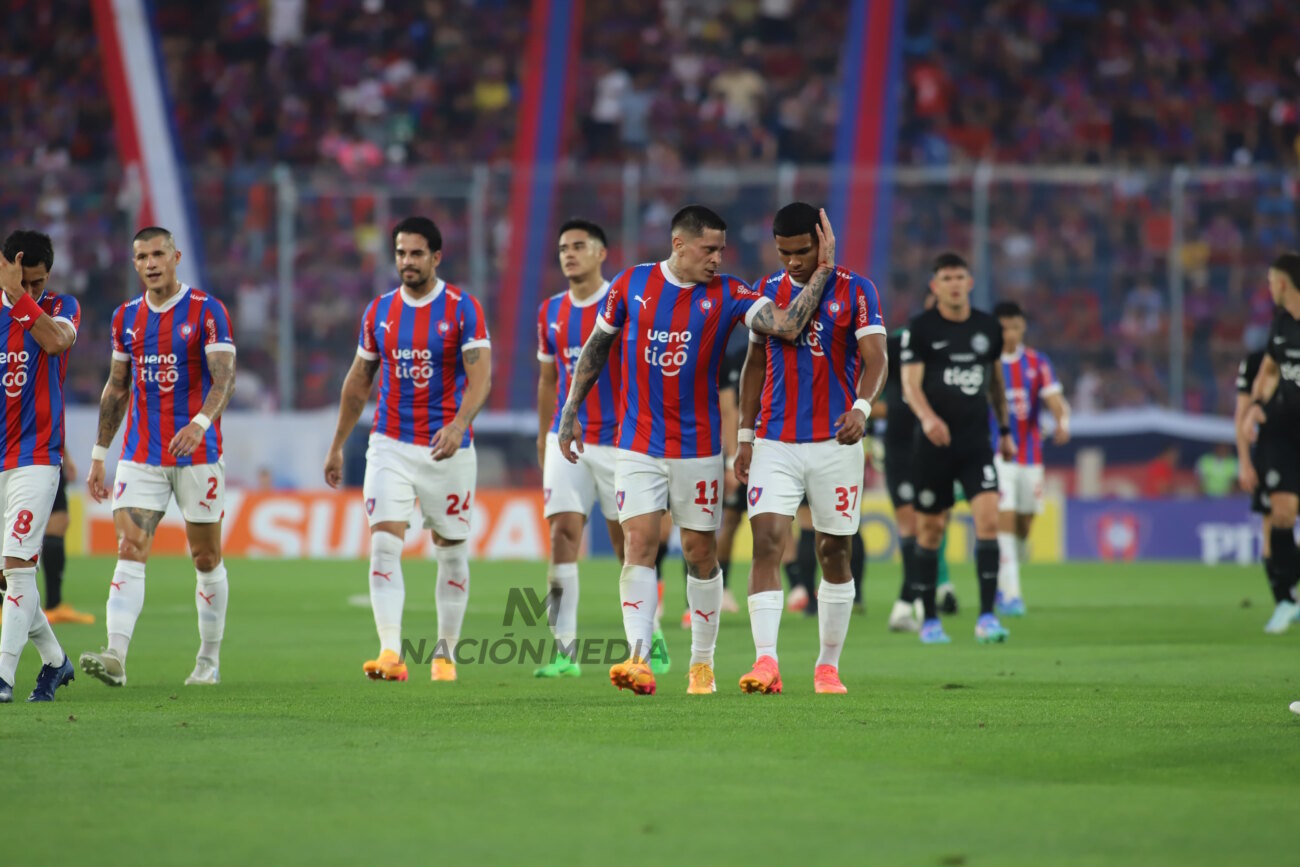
(834, 307)
(706, 304)
(187, 329)
(754, 494)
(443, 327)
(618, 498)
(370, 505)
(979, 343)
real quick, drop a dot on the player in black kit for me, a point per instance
(1273, 420)
(951, 376)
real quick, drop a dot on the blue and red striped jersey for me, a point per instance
(563, 326)
(674, 338)
(168, 348)
(33, 384)
(418, 345)
(811, 381)
(1028, 378)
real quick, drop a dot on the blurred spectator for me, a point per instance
(1217, 471)
(1158, 480)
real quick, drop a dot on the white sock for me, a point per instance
(765, 620)
(834, 605)
(21, 603)
(452, 594)
(563, 581)
(704, 598)
(211, 594)
(638, 593)
(125, 599)
(387, 589)
(1022, 551)
(1008, 566)
(42, 635)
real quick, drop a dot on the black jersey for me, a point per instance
(958, 359)
(900, 422)
(1284, 348)
(729, 374)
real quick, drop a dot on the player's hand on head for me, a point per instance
(334, 468)
(11, 276)
(825, 241)
(186, 440)
(850, 427)
(744, 455)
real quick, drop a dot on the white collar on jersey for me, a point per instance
(427, 299)
(45, 292)
(595, 297)
(1012, 358)
(668, 276)
(169, 303)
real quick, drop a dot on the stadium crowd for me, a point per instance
(359, 92)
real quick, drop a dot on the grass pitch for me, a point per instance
(1138, 716)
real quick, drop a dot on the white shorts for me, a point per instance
(570, 487)
(689, 488)
(398, 474)
(28, 496)
(828, 473)
(200, 489)
(1020, 487)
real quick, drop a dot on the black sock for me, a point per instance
(659, 562)
(857, 565)
(926, 563)
(1276, 587)
(52, 560)
(807, 557)
(725, 566)
(1286, 562)
(907, 548)
(987, 559)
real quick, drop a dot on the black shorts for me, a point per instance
(968, 462)
(735, 501)
(1259, 499)
(898, 472)
(1281, 470)
(60, 495)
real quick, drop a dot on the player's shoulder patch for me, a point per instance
(453, 292)
(198, 294)
(774, 277)
(134, 302)
(742, 288)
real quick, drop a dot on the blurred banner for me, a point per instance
(1210, 530)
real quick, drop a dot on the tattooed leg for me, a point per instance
(135, 532)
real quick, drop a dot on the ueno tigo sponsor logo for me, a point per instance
(413, 364)
(668, 350)
(15, 375)
(159, 369)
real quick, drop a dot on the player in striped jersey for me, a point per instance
(427, 341)
(807, 401)
(564, 322)
(1030, 384)
(671, 320)
(174, 360)
(37, 328)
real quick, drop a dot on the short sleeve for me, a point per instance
(614, 314)
(744, 301)
(119, 345)
(67, 311)
(1273, 348)
(216, 327)
(1245, 381)
(545, 346)
(367, 345)
(867, 317)
(912, 346)
(473, 325)
(1048, 384)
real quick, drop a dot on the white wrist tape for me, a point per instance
(745, 435)
(864, 405)
(98, 453)
(202, 421)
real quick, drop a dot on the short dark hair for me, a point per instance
(1007, 309)
(420, 226)
(1288, 263)
(693, 220)
(796, 218)
(36, 247)
(949, 260)
(577, 224)
(148, 233)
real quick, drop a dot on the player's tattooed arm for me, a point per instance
(998, 400)
(478, 382)
(752, 376)
(352, 402)
(594, 357)
(221, 367)
(788, 323)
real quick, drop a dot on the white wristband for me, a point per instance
(202, 421)
(745, 435)
(864, 405)
(730, 462)
(98, 453)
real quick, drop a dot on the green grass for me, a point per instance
(1138, 716)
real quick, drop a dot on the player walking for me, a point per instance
(428, 342)
(672, 320)
(37, 329)
(950, 379)
(808, 402)
(174, 360)
(564, 322)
